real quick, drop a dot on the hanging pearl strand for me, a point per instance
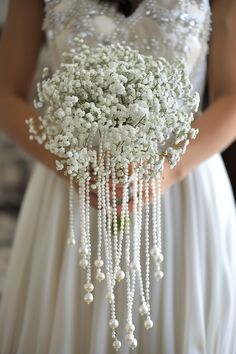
(131, 340)
(148, 323)
(113, 323)
(135, 216)
(110, 294)
(83, 249)
(154, 215)
(100, 276)
(122, 222)
(113, 245)
(134, 263)
(108, 213)
(143, 308)
(157, 253)
(118, 273)
(71, 239)
(88, 286)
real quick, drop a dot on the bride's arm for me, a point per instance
(19, 49)
(217, 125)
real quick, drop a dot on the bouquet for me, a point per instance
(106, 109)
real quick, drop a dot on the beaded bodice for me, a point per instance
(159, 27)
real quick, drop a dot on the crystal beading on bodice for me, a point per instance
(161, 28)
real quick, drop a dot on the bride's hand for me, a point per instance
(119, 194)
(169, 177)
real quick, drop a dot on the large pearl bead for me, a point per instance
(116, 344)
(156, 254)
(143, 309)
(133, 266)
(148, 323)
(98, 263)
(113, 323)
(88, 287)
(133, 344)
(120, 275)
(159, 274)
(160, 258)
(129, 338)
(130, 327)
(71, 241)
(100, 276)
(83, 263)
(83, 251)
(88, 297)
(110, 296)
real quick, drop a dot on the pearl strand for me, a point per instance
(157, 253)
(134, 263)
(108, 215)
(118, 273)
(110, 294)
(100, 276)
(131, 340)
(119, 251)
(143, 309)
(159, 212)
(113, 322)
(154, 213)
(88, 286)
(83, 249)
(135, 216)
(148, 323)
(71, 239)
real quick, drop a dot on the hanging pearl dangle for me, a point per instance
(119, 238)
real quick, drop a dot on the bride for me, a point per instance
(194, 306)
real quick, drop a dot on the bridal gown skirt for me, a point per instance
(193, 307)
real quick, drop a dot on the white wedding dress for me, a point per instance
(194, 306)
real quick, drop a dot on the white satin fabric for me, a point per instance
(193, 307)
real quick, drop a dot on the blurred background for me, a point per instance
(15, 170)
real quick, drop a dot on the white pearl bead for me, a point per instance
(130, 327)
(110, 297)
(160, 258)
(148, 323)
(143, 309)
(100, 276)
(88, 287)
(156, 254)
(154, 250)
(159, 274)
(113, 323)
(88, 297)
(71, 241)
(133, 266)
(120, 275)
(93, 186)
(83, 263)
(83, 251)
(133, 344)
(129, 338)
(98, 263)
(116, 345)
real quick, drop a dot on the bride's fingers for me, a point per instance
(94, 203)
(93, 179)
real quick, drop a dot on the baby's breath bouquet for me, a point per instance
(105, 109)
